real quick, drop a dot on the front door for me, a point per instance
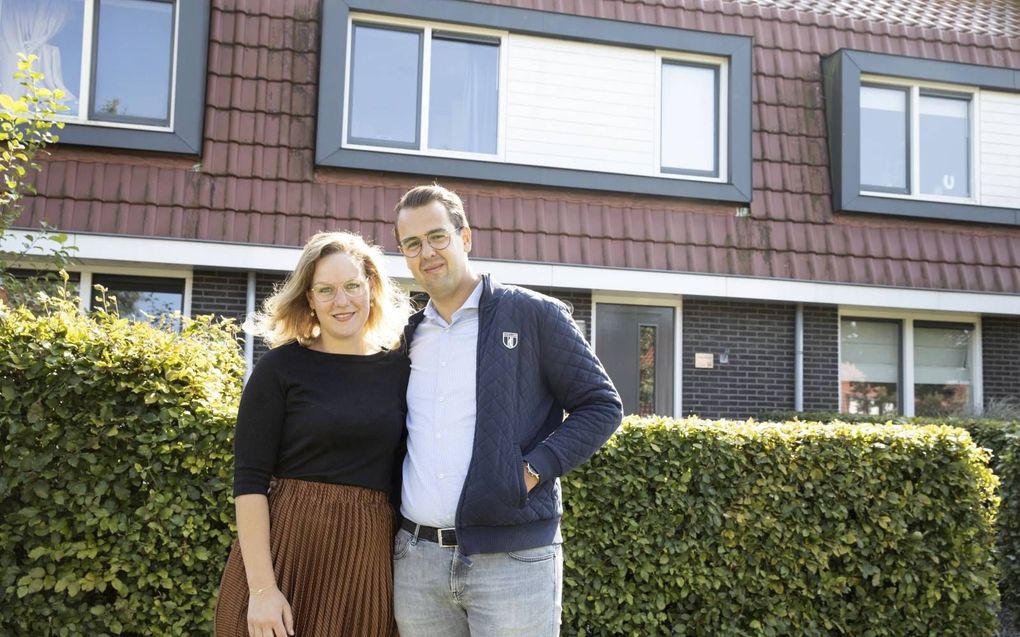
(635, 343)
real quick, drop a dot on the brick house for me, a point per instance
(749, 204)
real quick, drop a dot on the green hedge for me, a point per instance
(1002, 438)
(115, 482)
(1008, 470)
(115, 513)
(726, 529)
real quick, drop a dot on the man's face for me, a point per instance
(442, 272)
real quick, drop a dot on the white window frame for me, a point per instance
(86, 273)
(906, 353)
(663, 57)
(914, 89)
(85, 90)
(427, 29)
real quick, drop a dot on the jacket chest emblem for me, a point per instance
(510, 340)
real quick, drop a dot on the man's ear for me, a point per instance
(466, 238)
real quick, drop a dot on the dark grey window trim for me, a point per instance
(736, 49)
(841, 73)
(189, 96)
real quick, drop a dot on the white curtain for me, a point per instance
(27, 26)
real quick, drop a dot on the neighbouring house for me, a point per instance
(748, 205)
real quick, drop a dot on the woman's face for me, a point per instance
(341, 297)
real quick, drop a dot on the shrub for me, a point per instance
(116, 473)
(1009, 525)
(1002, 439)
(725, 529)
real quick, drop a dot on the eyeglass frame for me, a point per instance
(364, 283)
(421, 244)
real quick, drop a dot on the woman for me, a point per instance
(322, 416)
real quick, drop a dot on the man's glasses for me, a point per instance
(324, 292)
(438, 239)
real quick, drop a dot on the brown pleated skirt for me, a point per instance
(332, 551)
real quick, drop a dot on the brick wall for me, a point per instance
(264, 287)
(821, 358)
(759, 340)
(220, 292)
(1000, 353)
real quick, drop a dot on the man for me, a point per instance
(493, 368)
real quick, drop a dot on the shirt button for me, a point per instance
(438, 436)
(441, 399)
(442, 364)
(440, 476)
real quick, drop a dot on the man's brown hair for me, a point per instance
(424, 195)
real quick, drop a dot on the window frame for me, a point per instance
(93, 59)
(908, 114)
(735, 50)
(719, 148)
(908, 321)
(899, 354)
(183, 134)
(427, 29)
(843, 74)
(914, 92)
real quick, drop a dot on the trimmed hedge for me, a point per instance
(725, 529)
(1002, 438)
(115, 511)
(1009, 526)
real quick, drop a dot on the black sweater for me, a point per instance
(333, 418)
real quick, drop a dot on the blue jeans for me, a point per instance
(438, 592)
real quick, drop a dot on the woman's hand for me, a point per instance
(269, 614)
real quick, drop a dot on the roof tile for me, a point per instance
(259, 182)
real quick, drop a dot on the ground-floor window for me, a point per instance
(942, 370)
(140, 298)
(869, 370)
(905, 366)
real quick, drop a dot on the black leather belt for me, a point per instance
(443, 537)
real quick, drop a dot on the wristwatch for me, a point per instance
(531, 471)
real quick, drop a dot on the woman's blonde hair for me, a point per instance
(287, 317)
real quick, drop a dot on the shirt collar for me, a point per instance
(470, 303)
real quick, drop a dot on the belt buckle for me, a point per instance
(442, 542)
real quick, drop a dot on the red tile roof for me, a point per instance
(257, 183)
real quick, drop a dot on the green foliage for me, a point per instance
(1002, 438)
(115, 513)
(799, 529)
(27, 126)
(1008, 470)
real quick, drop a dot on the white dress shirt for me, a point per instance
(440, 413)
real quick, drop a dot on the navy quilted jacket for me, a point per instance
(533, 364)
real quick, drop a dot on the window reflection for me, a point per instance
(133, 61)
(945, 145)
(150, 299)
(942, 374)
(384, 86)
(50, 29)
(884, 139)
(646, 369)
(464, 94)
(869, 367)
